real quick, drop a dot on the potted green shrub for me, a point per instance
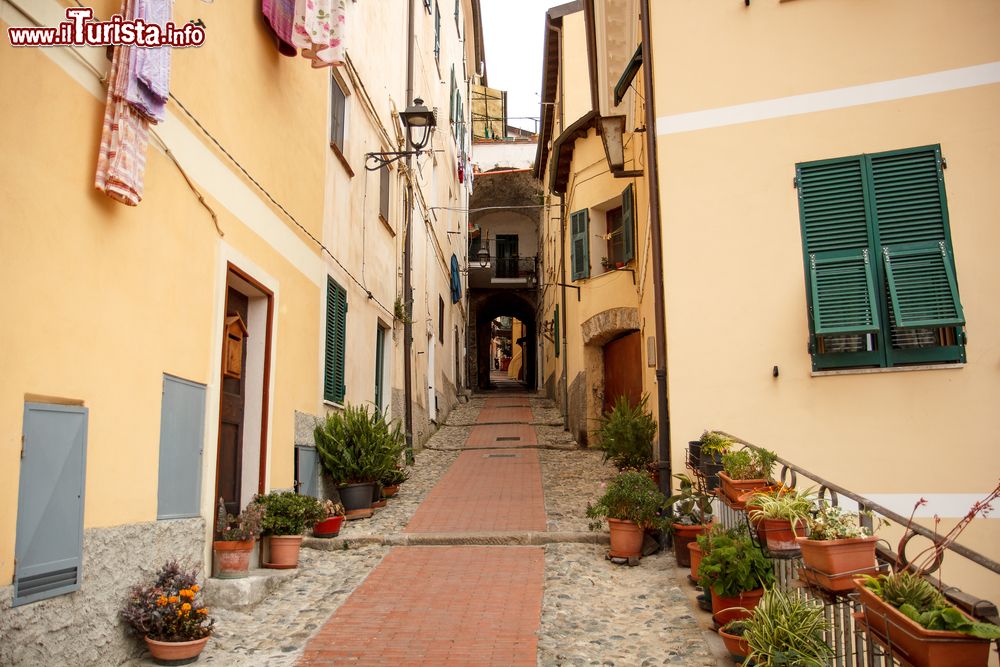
(631, 503)
(286, 516)
(736, 573)
(787, 629)
(781, 517)
(692, 515)
(745, 470)
(234, 540)
(392, 479)
(357, 448)
(713, 446)
(837, 549)
(169, 615)
(626, 434)
(330, 526)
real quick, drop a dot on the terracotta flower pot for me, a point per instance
(626, 538)
(329, 527)
(683, 536)
(175, 653)
(916, 644)
(729, 609)
(833, 564)
(232, 559)
(735, 644)
(734, 488)
(694, 549)
(778, 535)
(390, 491)
(380, 504)
(283, 551)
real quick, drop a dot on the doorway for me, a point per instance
(431, 389)
(506, 256)
(623, 370)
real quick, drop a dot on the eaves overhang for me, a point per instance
(563, 147)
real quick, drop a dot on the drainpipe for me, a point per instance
(407, 252)
(659, 303)
(563, 328)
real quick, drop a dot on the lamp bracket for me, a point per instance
(379, 160)
(576, 287)
(627, 174)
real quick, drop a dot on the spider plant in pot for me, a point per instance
(713, 446)
(736, 573)
(626, 434)
(780, 517)
(837, 549)
(745, 470)
(787, 629)
(631, 503)
(692, 510)
(904, 607)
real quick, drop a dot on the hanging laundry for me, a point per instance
(149, 69)
(319, 31)
(280, 14)
(121, 160)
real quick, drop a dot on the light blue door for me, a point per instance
(49, 542)
(306, 471)
(182, 432)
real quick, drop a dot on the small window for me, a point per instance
(384, 184)
(441, 320)
(338, 115)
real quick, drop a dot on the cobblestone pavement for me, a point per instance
(593, 612)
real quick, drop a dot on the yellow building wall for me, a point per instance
(734, 276)
(574, 78)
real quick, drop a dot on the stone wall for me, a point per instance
(578, 426)
(82, 628)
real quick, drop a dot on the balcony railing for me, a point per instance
(851, 645)
(504, 271)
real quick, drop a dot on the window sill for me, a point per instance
(894, 369)
(385, 223)
(331, 404)
(343, 160)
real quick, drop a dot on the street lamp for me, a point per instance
(612, 136)
(484, 257)
(418, 121)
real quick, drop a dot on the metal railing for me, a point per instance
(514, 267)
(844, 613)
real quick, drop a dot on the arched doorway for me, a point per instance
(486, 310)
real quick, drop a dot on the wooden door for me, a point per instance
(623, 370)
(230, 465)
(506, 256)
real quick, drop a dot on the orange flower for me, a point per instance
(161, 601)
(185, 607)
(196, 588)
(173, 599)
(203, 610)
(187, 593)
(179, 612)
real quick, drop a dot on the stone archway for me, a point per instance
(486, 307)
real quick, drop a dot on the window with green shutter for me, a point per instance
(880, 273)
(580, 240)
(628, 224)
(437, 31)
(336, 337)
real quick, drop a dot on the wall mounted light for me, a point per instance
(612, 130)
(418, 121)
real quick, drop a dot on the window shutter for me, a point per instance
(836, 239)
(329, 370)
(49, 540)
(182, 426)
(437, 31)
(911, 218)
(628, 224)
(341, 344)
(580, 251)
(379, 365)
(454, 91)
(555, 329)
(384, 185)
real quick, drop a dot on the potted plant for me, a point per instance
(732, 636)
(235, 537)
(837, 549)
(780, 517)
(703, 544)
(330, 526)
(286, 516)
(787, 628)
(357, 448)
(745, 470)
(606, 263)
(713, 446)
(692, 508)
(631, 503)
(392, 479)
(626, 434)
(904, 609)
(736, 573)
(169, 616)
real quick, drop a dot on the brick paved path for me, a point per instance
(459, 605)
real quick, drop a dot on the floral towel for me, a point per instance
(319, 30)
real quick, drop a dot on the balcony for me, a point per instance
(504, 272)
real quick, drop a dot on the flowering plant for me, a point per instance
(245, 527)
(835, 523)
(332, 509)
(169, 610)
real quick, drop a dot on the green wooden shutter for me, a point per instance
(911, 219)
(379, 365)
(628, 224)
(836, 239)
(555, 329)
(336, 336)
(454, 90)
(580, 250)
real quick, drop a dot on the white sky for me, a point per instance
(513, 31)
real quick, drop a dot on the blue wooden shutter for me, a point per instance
(49, 542)
(580, 250)
(841, 277)
(456, 281)
(628, 224)
(182, 428)
(911, 218)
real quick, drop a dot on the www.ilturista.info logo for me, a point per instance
(81, 30)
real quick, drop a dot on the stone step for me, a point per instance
(511, 538)
(246, 593)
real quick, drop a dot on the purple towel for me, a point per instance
(149, 80)
(280, 15)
